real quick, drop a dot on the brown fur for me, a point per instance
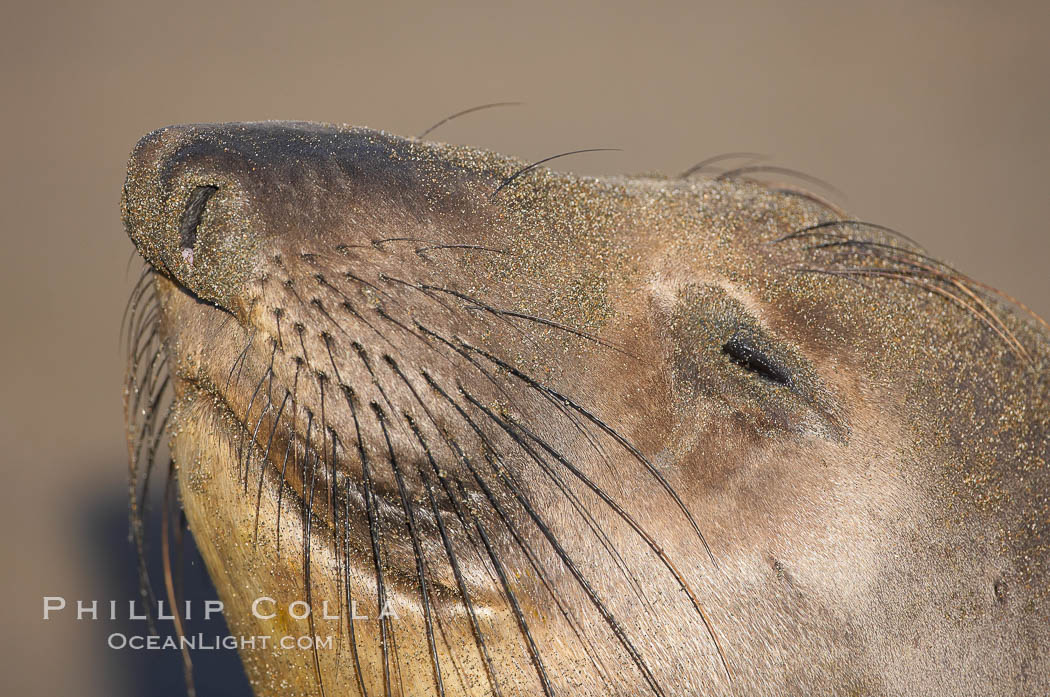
(552, 367)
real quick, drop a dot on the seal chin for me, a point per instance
(294, 486)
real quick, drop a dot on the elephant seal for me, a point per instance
(563, 435)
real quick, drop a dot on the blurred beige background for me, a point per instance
(932, 117)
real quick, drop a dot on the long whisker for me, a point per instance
(523, 625)
(138, 290)
(169, 583)
(574, 501)
(608, 430)
(811, 197)
(373, 529)
(942, 272)
(704, 164)
(346, 584)
(288, 450)
(262, 467)
(410, 519)
(248, 411)
(421, 251)
(461, 585)
(240, 361)
(528, 168)
(620, 512)
(520, 315)
(530, 555)
(471, 110)
(467, 356)
(307, 539)
(523, 501)
(930, 286)
(827, 228)
(771, 169)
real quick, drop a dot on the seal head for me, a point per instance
(582, 436)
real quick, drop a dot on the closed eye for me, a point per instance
(743, 351)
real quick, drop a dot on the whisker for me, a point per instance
(479, 637)
(348, 306)
(574, 501)
(262, 467)
(137, 291)
(528, 168)
(307, 539)
(288, 450)
(467, 357)
(142, 339)
(471, 110)
(363, 355)
(587, 435)
(771, 169)
(827, 228)
(609, 431)
(519, 315)
(413, 533)
(620, 512)
(918, 281)
(413, 286)
(383, 314)
(589, 591)
(169, 584)
(812, 198)
(523, 625)
(239, 361)
(935, 267)
(346, 584)
(373, 530)
(248, 411)
(530, 555)
(704, 164)
(421, 251)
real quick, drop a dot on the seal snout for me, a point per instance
(185, 209)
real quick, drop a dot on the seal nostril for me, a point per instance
(191, 220)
